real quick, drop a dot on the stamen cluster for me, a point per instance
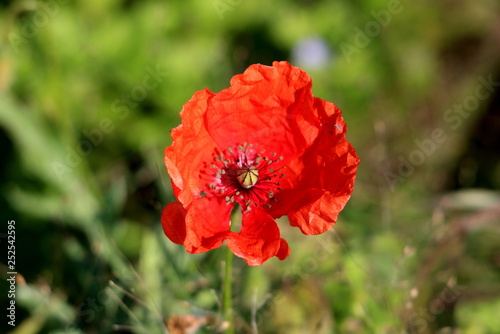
(246, 177)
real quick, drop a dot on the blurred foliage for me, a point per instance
(89, 91)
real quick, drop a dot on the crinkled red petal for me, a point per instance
(207, 224)
(284, 250)
(268, 107)
(327, 178)
(258, 240)
(173, 220)
(191, 149)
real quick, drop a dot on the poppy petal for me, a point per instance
(262, 103)
(192, 147)
(207, 224)
(284, 250)
(258, 240)
(327, 178)
(173, 220)
(318, 216)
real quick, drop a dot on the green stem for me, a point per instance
(227, 302)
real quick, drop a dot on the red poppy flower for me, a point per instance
(266, 144)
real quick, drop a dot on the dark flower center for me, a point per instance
(243, 176)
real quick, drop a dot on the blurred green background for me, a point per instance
(89, 91)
